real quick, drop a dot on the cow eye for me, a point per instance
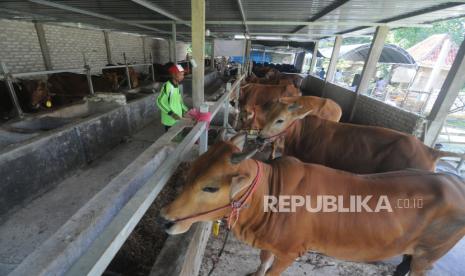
(279, 121)
(210, 189)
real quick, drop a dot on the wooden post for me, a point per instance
(369, 68)
(107, 47)
(43, 45)
(173, 44)
(198, 51)
(455, 81)
(314, 58)
(334, 59)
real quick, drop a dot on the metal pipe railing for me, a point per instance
(100, 253)
(8, 77)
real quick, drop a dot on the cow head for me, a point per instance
(112, 77)
(37, 92)
(134, 75)
(281, 116)
(214, 179)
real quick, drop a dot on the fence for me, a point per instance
(87, 243)
(9, 77)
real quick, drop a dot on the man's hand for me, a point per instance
(176, 117)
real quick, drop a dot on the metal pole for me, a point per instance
(11, 90)
(226, 107)
(369, 68)
(236, 104)
(107, 47)
(128, 76)
(314, 58)
(89, 79)
(43, 45)
(334, 58)
(455, 81)
(153, 68)
(203, 144)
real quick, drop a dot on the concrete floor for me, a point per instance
(28, 227)
(239, 259)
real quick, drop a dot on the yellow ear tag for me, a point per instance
(48, 103)
(216, 228)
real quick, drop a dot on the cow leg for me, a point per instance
(279, 265)
(266, 260)
(404, 267)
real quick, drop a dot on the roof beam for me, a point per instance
(93, 14)
(244, 19)
(157, 9)
(286, 23)
(324, 12)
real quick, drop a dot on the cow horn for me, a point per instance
(238, 157)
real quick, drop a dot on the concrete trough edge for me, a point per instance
(56, 255)
(67, 149)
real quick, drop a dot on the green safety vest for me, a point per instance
(170, 101)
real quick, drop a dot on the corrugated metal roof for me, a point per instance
(328, 11)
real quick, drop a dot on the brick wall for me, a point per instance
(20, 49)
(67, 46)
(19, 46)
(161, 51)
(125, 43)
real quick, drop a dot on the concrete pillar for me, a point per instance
(173, 40)
(198, 51)
(43, 45)
(314, 57)
(455, 81)
(107, 47)
(369, 68)
(334, 59)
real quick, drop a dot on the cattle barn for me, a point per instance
(169, 137)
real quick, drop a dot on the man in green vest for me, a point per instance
(169, 100)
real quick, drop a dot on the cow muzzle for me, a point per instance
(171, 226)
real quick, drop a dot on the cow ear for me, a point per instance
(238, 183)
(287, 100)
(239, 140)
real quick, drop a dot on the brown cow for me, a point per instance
(223, 177)
(31, 95)
(261, 94)
(68, 87)
(121, 75)
(349, 147)
(320, 107)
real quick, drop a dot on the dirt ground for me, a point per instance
(239, 259)
(137, 256)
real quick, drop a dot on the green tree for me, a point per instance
(407, 37)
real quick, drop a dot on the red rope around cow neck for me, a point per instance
(235, 205)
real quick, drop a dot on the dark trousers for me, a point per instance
(167, 128)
